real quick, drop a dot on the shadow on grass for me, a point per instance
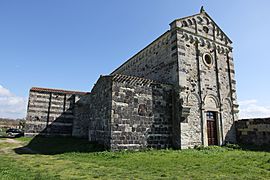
(58, 145)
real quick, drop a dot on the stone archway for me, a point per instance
(211, 102)
(211, 123)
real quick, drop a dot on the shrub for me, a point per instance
(210, 148)
(232, 146)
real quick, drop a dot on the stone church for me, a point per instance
(179, 91)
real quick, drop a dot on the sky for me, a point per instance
(68, 44)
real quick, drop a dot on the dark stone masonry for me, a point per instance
(253, 131)
(179, 91)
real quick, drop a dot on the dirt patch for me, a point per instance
(12, 141)
(15, 145)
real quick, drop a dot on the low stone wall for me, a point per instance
(253, 131)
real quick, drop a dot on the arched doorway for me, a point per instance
(211, 118)
(211, 123)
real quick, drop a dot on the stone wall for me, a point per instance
(51, 111)
(141, 114)
(98, 112)
(82, 117)
(125, 112)
(253, 131)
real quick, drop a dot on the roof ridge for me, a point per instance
(57, 90)
(117, 77)
(202, 11)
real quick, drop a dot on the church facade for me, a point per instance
(179, 91)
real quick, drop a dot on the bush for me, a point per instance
(209, 148)
(232, 146)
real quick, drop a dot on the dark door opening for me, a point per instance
(211, 128)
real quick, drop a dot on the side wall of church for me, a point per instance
(50, 113)
(157, 62)
(141, 114)
(98, 112)
(82, 117)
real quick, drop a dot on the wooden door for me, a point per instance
(211, 128)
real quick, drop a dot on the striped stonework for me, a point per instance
(51, 111)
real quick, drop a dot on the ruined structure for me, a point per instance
(179, 91)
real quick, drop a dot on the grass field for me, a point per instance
(69, 158)
(3, 132)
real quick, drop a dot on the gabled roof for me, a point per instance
(133, 80)
(57, 90)
(218, 27)
(203, 12)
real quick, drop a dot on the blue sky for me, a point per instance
(68, 44)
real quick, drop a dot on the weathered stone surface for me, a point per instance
(82, 117)
(51, 111)
(100, 112)
(253, 131)
(141, 114)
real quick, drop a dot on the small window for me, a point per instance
(210, 115)
(207, 58)
(142, 110)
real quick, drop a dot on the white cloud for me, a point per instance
(252, 109)
(4, 91)
(11, 106)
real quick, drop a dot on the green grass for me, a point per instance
(3, 132)
(59, 159)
